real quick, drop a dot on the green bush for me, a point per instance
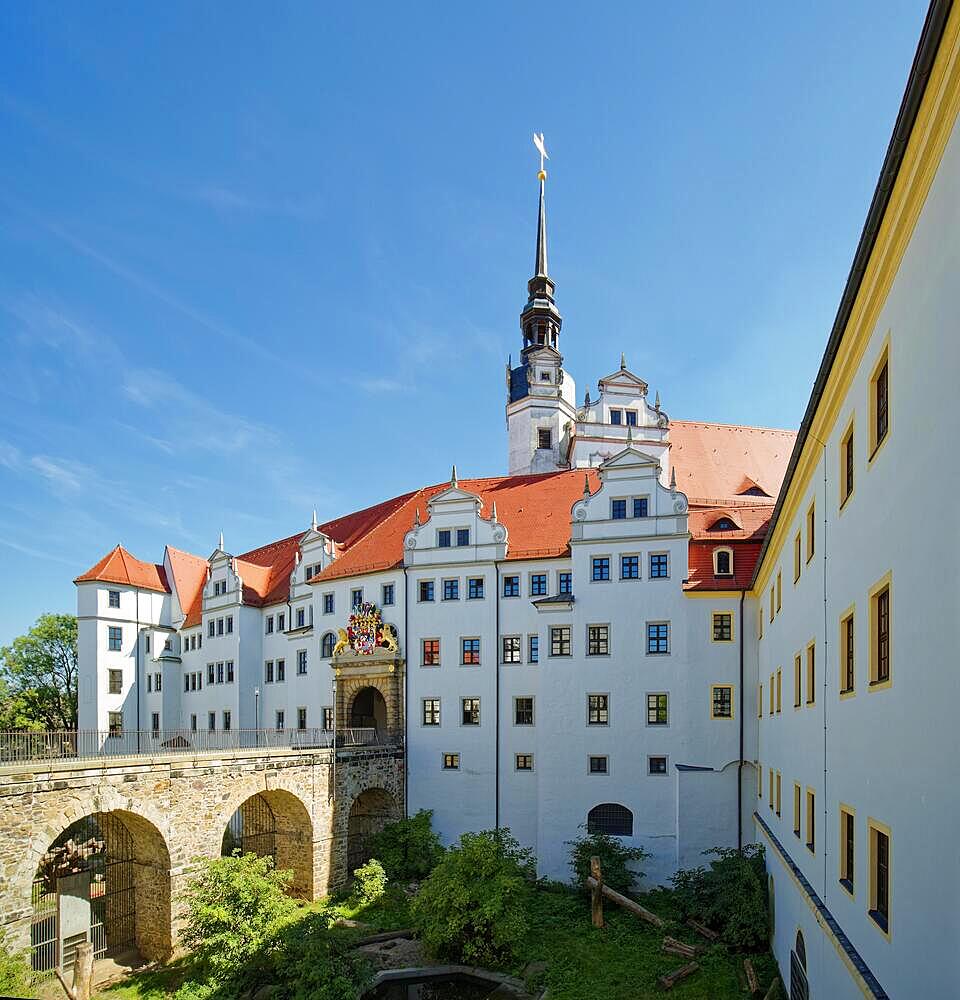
(730, 896)
(311, 965)
(473, 908)
(369, 882)
(14, 972)
(408, 849)
(614, 859)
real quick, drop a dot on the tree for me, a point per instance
(40, 672)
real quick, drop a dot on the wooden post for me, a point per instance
(704, 930)
(670, 980)
(83, 971)
(627, 904)
(596, 893)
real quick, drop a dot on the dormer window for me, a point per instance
(723, 562)
(631, 418)
(544, 439)
(463, 537)
(443, 538)
(616, 416)
(723, 524)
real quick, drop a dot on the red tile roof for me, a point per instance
(120, 566)
(700, 573)
(189, 576)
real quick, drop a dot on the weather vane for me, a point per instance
(542, 149)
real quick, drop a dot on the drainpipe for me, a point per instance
(406, 686)
(496, 657)
(826, 645)
(740, 765)
(136, 660)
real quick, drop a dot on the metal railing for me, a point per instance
(77, 744)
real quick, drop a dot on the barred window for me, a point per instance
(598, 709)
(656, 709)
(431, 711)
(598, 640)
(470, 652)
(658, 637)
(523, 711)
(610, 818)
(431, 652)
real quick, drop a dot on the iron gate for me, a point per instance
(252, 830)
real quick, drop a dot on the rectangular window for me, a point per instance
(115, 683)
(301, 717)
(327, 718)
(631, 416)
(431, 652)
(219, 673)
(451, 590)
(771, 602)
(779, 591)
(523, 761)
(564, 583)
(113, 598)
(115, 723)
(598, 709)
(880, 633)
(511, 586)
(328, 604)
(425, 591)
(196, 682)
(193, 723)
(475, 588)
(600, 568)
(281, 671)
(779, 690)
(811, 821)
(848, 677)
(269, 625)
(301, 661)
(618, 510)
(879, 875)
(470, 652)
(723, 626)
(211, 628)
(278, 720)
(659, 566)
(777, 806)
(523, 711)
(879, 404)
(229, 671)
(796, 809)
(115, 637)
(721, 701)
(210, 673)
(451, 762)
(443, 538)
(657, 710)
(227, 720)
(356, 597)
(811, 674)
(759, 781)
(770, 798)
(797, 680)
(598, 640)
(629, 567)
(846, 466)
(847, 848)
(229, 624)
(211, 721)
(656, 765)
(760, 700)
(543, 439)
(641, 506)
(772, 692)
(282, 621)
(387, 594)
(616, 416)
(431, 711)
(470, 711)
(158, 682)
(463, 537)
(301, 617)
(658, 638)
(533, 649)
(560, 640)
(598, 765)
(268, 672)
(811, 531)
(796, 558)
(538, 585)
(219, 626)
(511, 649)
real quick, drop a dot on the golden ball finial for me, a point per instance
(542, 175)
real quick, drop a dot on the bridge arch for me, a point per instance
(370, 812)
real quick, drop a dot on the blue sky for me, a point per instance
(260, 258)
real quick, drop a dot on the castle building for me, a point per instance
(683, 634)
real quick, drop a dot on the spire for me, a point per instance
(453, 476)
(540, 265)
(220, 547)
(313, 522)
(623, 362)
(656, 402)
(673, 479)
(493, 512)
(416, 518)
(586, 485)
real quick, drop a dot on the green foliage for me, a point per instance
(614, 859)
(369, 882)
(14, 972)
(730, 896)
(39, 676)
(472, 909)
(312, 965)
(408, 849)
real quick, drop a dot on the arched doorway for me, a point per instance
(106, 880)
(799, 987)
(369, 711)
(369, 814)
(275, 824)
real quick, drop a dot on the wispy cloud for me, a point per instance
(35, 553)
(62, 474)
(377, 384)
(225, 199)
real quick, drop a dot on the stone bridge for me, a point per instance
(154, 818)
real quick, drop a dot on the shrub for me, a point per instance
(311, 965)
(614, 858)
(730, 895)
(370, 882)
(14, 972)
(235, 907)
(473, 908)
(409, 848)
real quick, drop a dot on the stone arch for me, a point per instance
(368, 709)
(388, 685)
(369, 813)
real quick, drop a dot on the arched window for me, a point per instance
(610, 818)
(723, 562)
(326, 644)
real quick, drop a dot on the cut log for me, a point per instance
(752, 982)
(703, 930)
(674, 947)
(627, 904)
(671, 979)
(596, 893)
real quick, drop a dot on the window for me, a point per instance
(211, 721)
(564, 583)
(610, 818)
(115, 637)
(511, 586)
(544, 436)
(523, 711)
(631, 416)
(779, 591)
(475, 588)
(511, 648)
(811, 821)
(463, 537)
(158, 682)
(779, 690)
(846, 466)
(600, 568)
(773, 689)
(328, 604)
(597, 765)
(616, 416)
(796, 809)
(115, 723)
(430, 649)
(470, 652)
(301, 718)
(811, 531)
(777, 805)
(796, 558)
(301, 661)
(431, 711)
(227, 720)
(451, 762)
(771, 601)
(771, 775)
(211, 628)
(281, 671)
(327, 718)
(282, 622)
(848, 678)
(598, 640)
(598, 709)
(658, 638)
(797, 680)
(219, 626)
(470, 711)
(301, 617)
(387, 594)
(451, 590)
(113, 598)
(268, 672)
(760, 700)
(443, 538)
(356, 597)
(560, 640)
(115, 682)
(656, 765)
(879, 403)
(268, 628)
(146, 642)
(219, 673)
(629, 567)
(657, 709)
(723, 626)
(811, 674)
(618, 510)
(523, 761)
(659, 566)
(326, 645)
(879, 875)
(193, 723)
(210, 670)
(426, 590)
(847, 848)
(721, 701)
(723, 562)
(278, 720)
(538, 584)
(641, 506)
(880, 634)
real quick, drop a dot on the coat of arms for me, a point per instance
(366, 631)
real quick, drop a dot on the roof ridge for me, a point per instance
(739, 427)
